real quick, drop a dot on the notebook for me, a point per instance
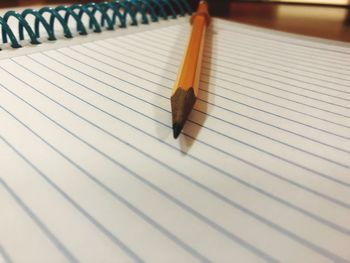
(90, 172)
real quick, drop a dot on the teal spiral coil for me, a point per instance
(112, 14)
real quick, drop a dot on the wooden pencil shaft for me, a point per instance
(189, 72)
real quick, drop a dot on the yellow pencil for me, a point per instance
(185, 90)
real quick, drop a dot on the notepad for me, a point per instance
(90, 171)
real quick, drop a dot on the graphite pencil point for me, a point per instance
(177, 130)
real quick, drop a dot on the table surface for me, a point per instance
(318, 21)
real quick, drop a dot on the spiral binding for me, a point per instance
(121, 9)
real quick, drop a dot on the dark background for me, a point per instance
(326, 21)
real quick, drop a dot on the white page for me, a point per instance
(90, 171)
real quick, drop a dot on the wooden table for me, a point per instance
(329, 22)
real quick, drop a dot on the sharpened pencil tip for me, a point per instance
(182, 102)
(176, 130)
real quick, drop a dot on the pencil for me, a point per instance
(185, 90)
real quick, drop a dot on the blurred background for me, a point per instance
(319, 18)
(193, 2)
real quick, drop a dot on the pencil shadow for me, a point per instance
(199, 113)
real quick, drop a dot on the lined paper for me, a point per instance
(90, 171)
